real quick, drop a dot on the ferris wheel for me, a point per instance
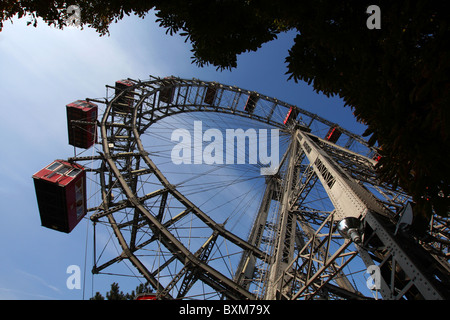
(210, 191)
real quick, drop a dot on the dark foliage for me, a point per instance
(116, 294)
(396, 79)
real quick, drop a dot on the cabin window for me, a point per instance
(53, 166)
(73, 173)
(62, 170)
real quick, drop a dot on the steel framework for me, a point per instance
(293, 248)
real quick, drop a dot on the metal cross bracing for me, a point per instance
(414, 273)
(293, 248)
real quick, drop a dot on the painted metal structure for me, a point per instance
(296, 254)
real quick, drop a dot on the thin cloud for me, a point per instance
(40, 281)
(14, 294)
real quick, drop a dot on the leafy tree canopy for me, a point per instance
(396, 79)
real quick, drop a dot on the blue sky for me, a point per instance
(45, 68)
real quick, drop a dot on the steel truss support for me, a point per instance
(245, 273)
(407, 270)
(124, 159)
(284, 245)
(316, 264)
(309, 255)
(403, 268)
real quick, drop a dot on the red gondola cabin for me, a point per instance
(251, 102)
(82, 134)
(125, 102)
(146, 296)
(377, 155)
(61, 195)
(291, 116)
(210, 95)
(166, 94)
(333, 134)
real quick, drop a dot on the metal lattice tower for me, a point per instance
(296, 245)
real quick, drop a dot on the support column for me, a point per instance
(284, 246)
(246, 269)
(405, 266)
